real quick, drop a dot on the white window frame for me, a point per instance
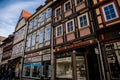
(56, 10)
(34, 34)
(114, 9)
(76, 2)
(48, 12)
(61, 31)
(42, 36)
(65, 6)
(87, 20)
(73, 26)
(31, 23)
(45, 39)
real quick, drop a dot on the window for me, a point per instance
(35, 21)
(79, 1)
(113, 57)
(110, 12)
(80, 67)
(30, 24)
(83, 20)
(36, 70)
(67, 6)
(58, 12)
(47, 33)
(43, 16)
(28, 41)
(63, 66)
(48, 12)
(41, 35)
(26, 69)
(33, 39)
(69, 26)
(59, 31)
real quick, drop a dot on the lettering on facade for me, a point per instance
(46, 57)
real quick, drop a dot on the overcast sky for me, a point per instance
(10, 11)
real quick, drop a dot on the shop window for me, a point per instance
(83, 20)
(47, 33)
(36, 70)
(70, 26)
(63, 66)
(109, 12)
(58, 31)
(81, 69)
(67, 6)
(47, 69)
(26, 70)
(113, 57)
(41, 35)
(58, 11)
(78, 1)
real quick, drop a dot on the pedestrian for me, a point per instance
(8, 74)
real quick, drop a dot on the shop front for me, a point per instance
(36, 66)
(111, 51)
(77, 63)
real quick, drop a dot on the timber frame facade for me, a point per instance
(72, 40)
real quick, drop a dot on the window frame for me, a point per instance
(78, 3)
(56, 11)
(87, 20)
(43, 35)
(57, 31)
(115, 9)
(65, 5)
(35, 35)
(48, 13)
(72, 25)
(46, 32)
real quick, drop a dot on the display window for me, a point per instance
(26, 69)
(113, 57)
(63, 66)
(81, 69)
(36, 70)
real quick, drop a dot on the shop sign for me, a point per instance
(33, 54)
(46, 57)
(26, 60)
(75, 45)
(36, 59)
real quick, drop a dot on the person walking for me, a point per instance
(8, 74)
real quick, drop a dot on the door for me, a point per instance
(93, 66)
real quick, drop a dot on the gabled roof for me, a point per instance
(26, 14)
(2, 38)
